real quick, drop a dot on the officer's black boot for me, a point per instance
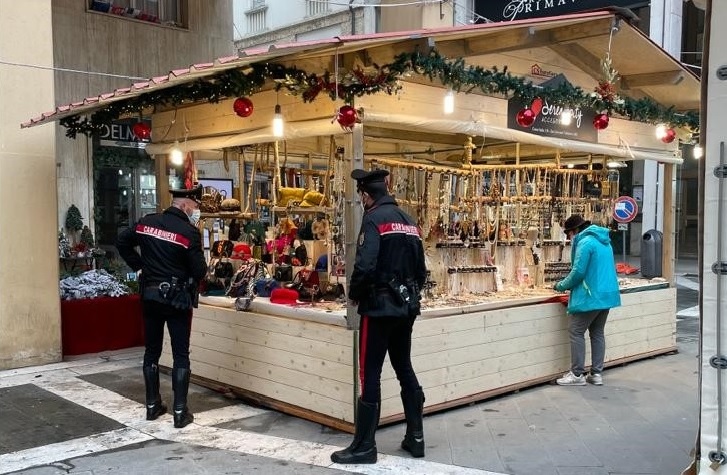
(363, 447)
(413, 402)
(180, 385)
(154, 405)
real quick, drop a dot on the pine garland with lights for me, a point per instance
(453, 73)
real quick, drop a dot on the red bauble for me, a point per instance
(600, 122)
(525, 118)
(141, 130)
(347, 117)
(669, 136)
(243, 107)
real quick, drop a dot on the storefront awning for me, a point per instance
(645, 69)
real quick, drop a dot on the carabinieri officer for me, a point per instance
(386, 281)
(172, 263)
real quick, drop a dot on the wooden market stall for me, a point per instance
(489, 191)
(302, 359)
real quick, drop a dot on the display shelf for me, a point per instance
(302, 210)
(229, 215)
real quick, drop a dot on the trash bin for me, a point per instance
(651, 252)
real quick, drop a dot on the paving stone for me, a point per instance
(32, 417)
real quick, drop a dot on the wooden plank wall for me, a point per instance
(458, 359)
(298, 362)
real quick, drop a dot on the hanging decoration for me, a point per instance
(141, 130)
(243, 106)
(526, 117)
(451, 73)
(347, 117)
(600, 122)
(669, 135)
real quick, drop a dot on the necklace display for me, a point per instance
(481, 222)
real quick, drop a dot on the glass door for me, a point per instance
(147, 202)
(115, 206)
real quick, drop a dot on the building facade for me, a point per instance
(54, 53)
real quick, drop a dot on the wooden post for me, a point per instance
(353, 213)
(164, 199)
(668, 248)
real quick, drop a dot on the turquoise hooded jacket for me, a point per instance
(592, 280)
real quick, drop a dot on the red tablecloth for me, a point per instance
(101, 324)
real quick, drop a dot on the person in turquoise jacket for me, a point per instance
(594, 291)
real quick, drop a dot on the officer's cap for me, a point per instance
(364, 178)
(194, 193)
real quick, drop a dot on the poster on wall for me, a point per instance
(509, 10)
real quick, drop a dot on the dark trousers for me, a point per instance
(378, 335)
(179, 324)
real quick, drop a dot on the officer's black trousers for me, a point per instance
(378, 335)
(179, 324)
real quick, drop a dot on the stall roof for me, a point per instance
(646, 70)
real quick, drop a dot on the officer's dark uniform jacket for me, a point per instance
(390, 253)
(170, 247)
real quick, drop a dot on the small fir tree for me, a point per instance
(87, 237)
(74, 221)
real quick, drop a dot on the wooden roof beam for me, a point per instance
(661, 78)
(579, 57)
(524, 38)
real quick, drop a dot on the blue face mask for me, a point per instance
(194, 217)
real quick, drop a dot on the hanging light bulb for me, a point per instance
(566, 117)
(278, 122)
(570, 165)
(175, 154)
(661, 131)
(697, 152)
(449, 102)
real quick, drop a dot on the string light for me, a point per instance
(175, 154)
(566, 117)
(278, 126)
(661, 131)
(697, 152)
(449, 102)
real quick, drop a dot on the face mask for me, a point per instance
(194, 217)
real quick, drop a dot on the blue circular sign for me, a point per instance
(625, 209)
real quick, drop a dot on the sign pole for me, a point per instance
(624, 211)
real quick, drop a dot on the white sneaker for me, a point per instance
(570, 379)
(595, 379)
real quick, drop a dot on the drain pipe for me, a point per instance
(353, 17)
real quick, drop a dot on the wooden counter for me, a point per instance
(307, 367)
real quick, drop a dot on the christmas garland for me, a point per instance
(453, 73)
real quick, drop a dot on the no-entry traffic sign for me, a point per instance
(625, 209)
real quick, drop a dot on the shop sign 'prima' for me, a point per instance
(509, 10)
